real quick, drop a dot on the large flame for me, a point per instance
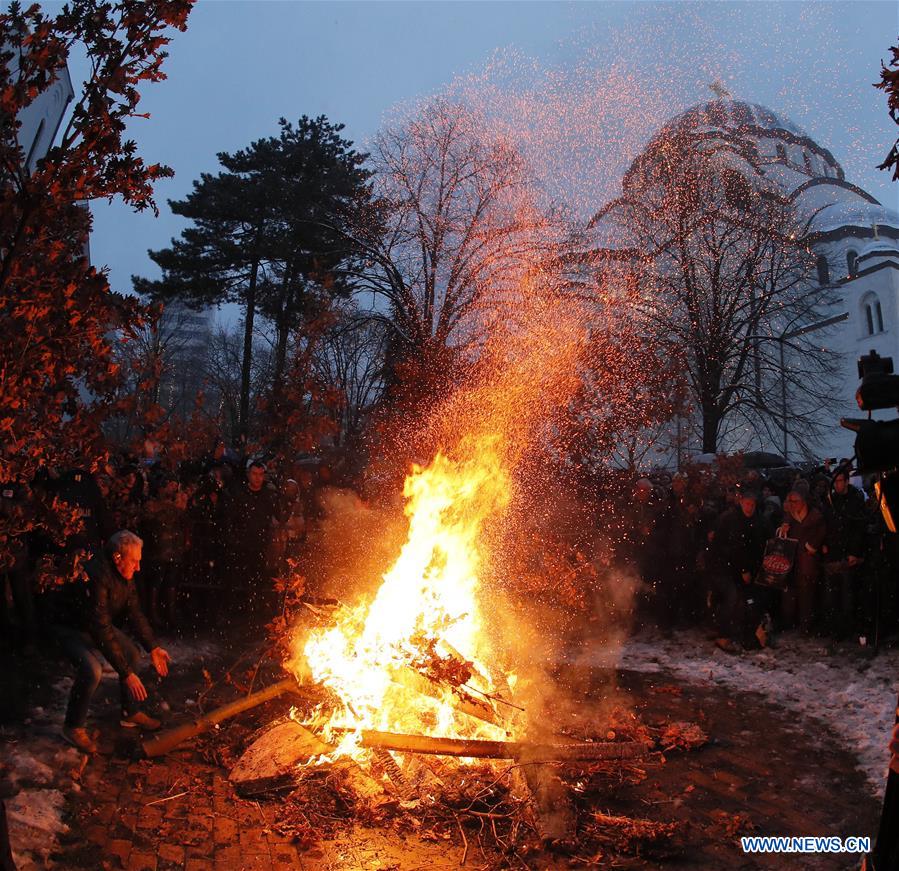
(429, 600)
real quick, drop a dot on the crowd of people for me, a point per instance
(804, 550)
(214, 532)
(217, 529)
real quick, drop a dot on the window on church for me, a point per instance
(873, 314)
(851, 263)
(808, 163)
(823, 271)
(781, 152)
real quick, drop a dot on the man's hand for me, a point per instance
(160, 659)
(136, 687)
(783, 530)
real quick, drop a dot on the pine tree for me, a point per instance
(264, 234)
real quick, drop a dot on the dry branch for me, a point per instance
(171, 738)
(480, 709)
(519, 750)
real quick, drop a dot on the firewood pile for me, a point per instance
(501, 811)
(503, 801)
(506, 809)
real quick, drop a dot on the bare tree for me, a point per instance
(224, 376)
(453, 229)
(349, 360)
(724, 271)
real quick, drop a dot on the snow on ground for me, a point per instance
(35, 823)
(41, 771)
(855, 696)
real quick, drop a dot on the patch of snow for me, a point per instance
(25, 767)
(856, 698)
(35, 824)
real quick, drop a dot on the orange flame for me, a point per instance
(430, 596)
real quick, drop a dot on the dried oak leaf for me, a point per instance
(734, 824)
(683, 736)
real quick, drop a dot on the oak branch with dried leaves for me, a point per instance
(58, 376)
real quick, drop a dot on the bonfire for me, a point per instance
(425, 621)
(408, 698)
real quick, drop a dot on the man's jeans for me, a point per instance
(81, 651)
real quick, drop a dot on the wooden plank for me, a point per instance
(520, 750)
(280, 754)
(171, 738)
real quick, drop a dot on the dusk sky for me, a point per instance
(585, 84)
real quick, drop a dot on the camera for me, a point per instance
(877, 441)
(879, 387)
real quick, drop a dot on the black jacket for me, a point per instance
(846, 525)
(739, 543)
(111, 601)
(247, 518)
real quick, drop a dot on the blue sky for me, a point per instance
(242, 65)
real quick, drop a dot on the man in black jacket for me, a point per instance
(846, 522)
(248, 512)
(91, 627)
(735, 556)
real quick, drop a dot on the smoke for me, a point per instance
(352, 543)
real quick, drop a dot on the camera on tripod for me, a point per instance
(877, 441)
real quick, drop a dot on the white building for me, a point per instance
(40, 120)
(183, 336)
(855, 238)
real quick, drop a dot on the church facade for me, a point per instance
(854, 239)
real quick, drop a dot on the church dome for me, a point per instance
(733, 115)
(772, 152)
(788, 154)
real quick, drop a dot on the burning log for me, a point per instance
(171, 738)
(480, 709)
(522, 751)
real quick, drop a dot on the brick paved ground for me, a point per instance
(786, 776)
(116, 825)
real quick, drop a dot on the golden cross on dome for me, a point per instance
(719, 90)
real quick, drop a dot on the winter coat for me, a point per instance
(846, 525)
(738, 545)
(106, 601)
(813, 532)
